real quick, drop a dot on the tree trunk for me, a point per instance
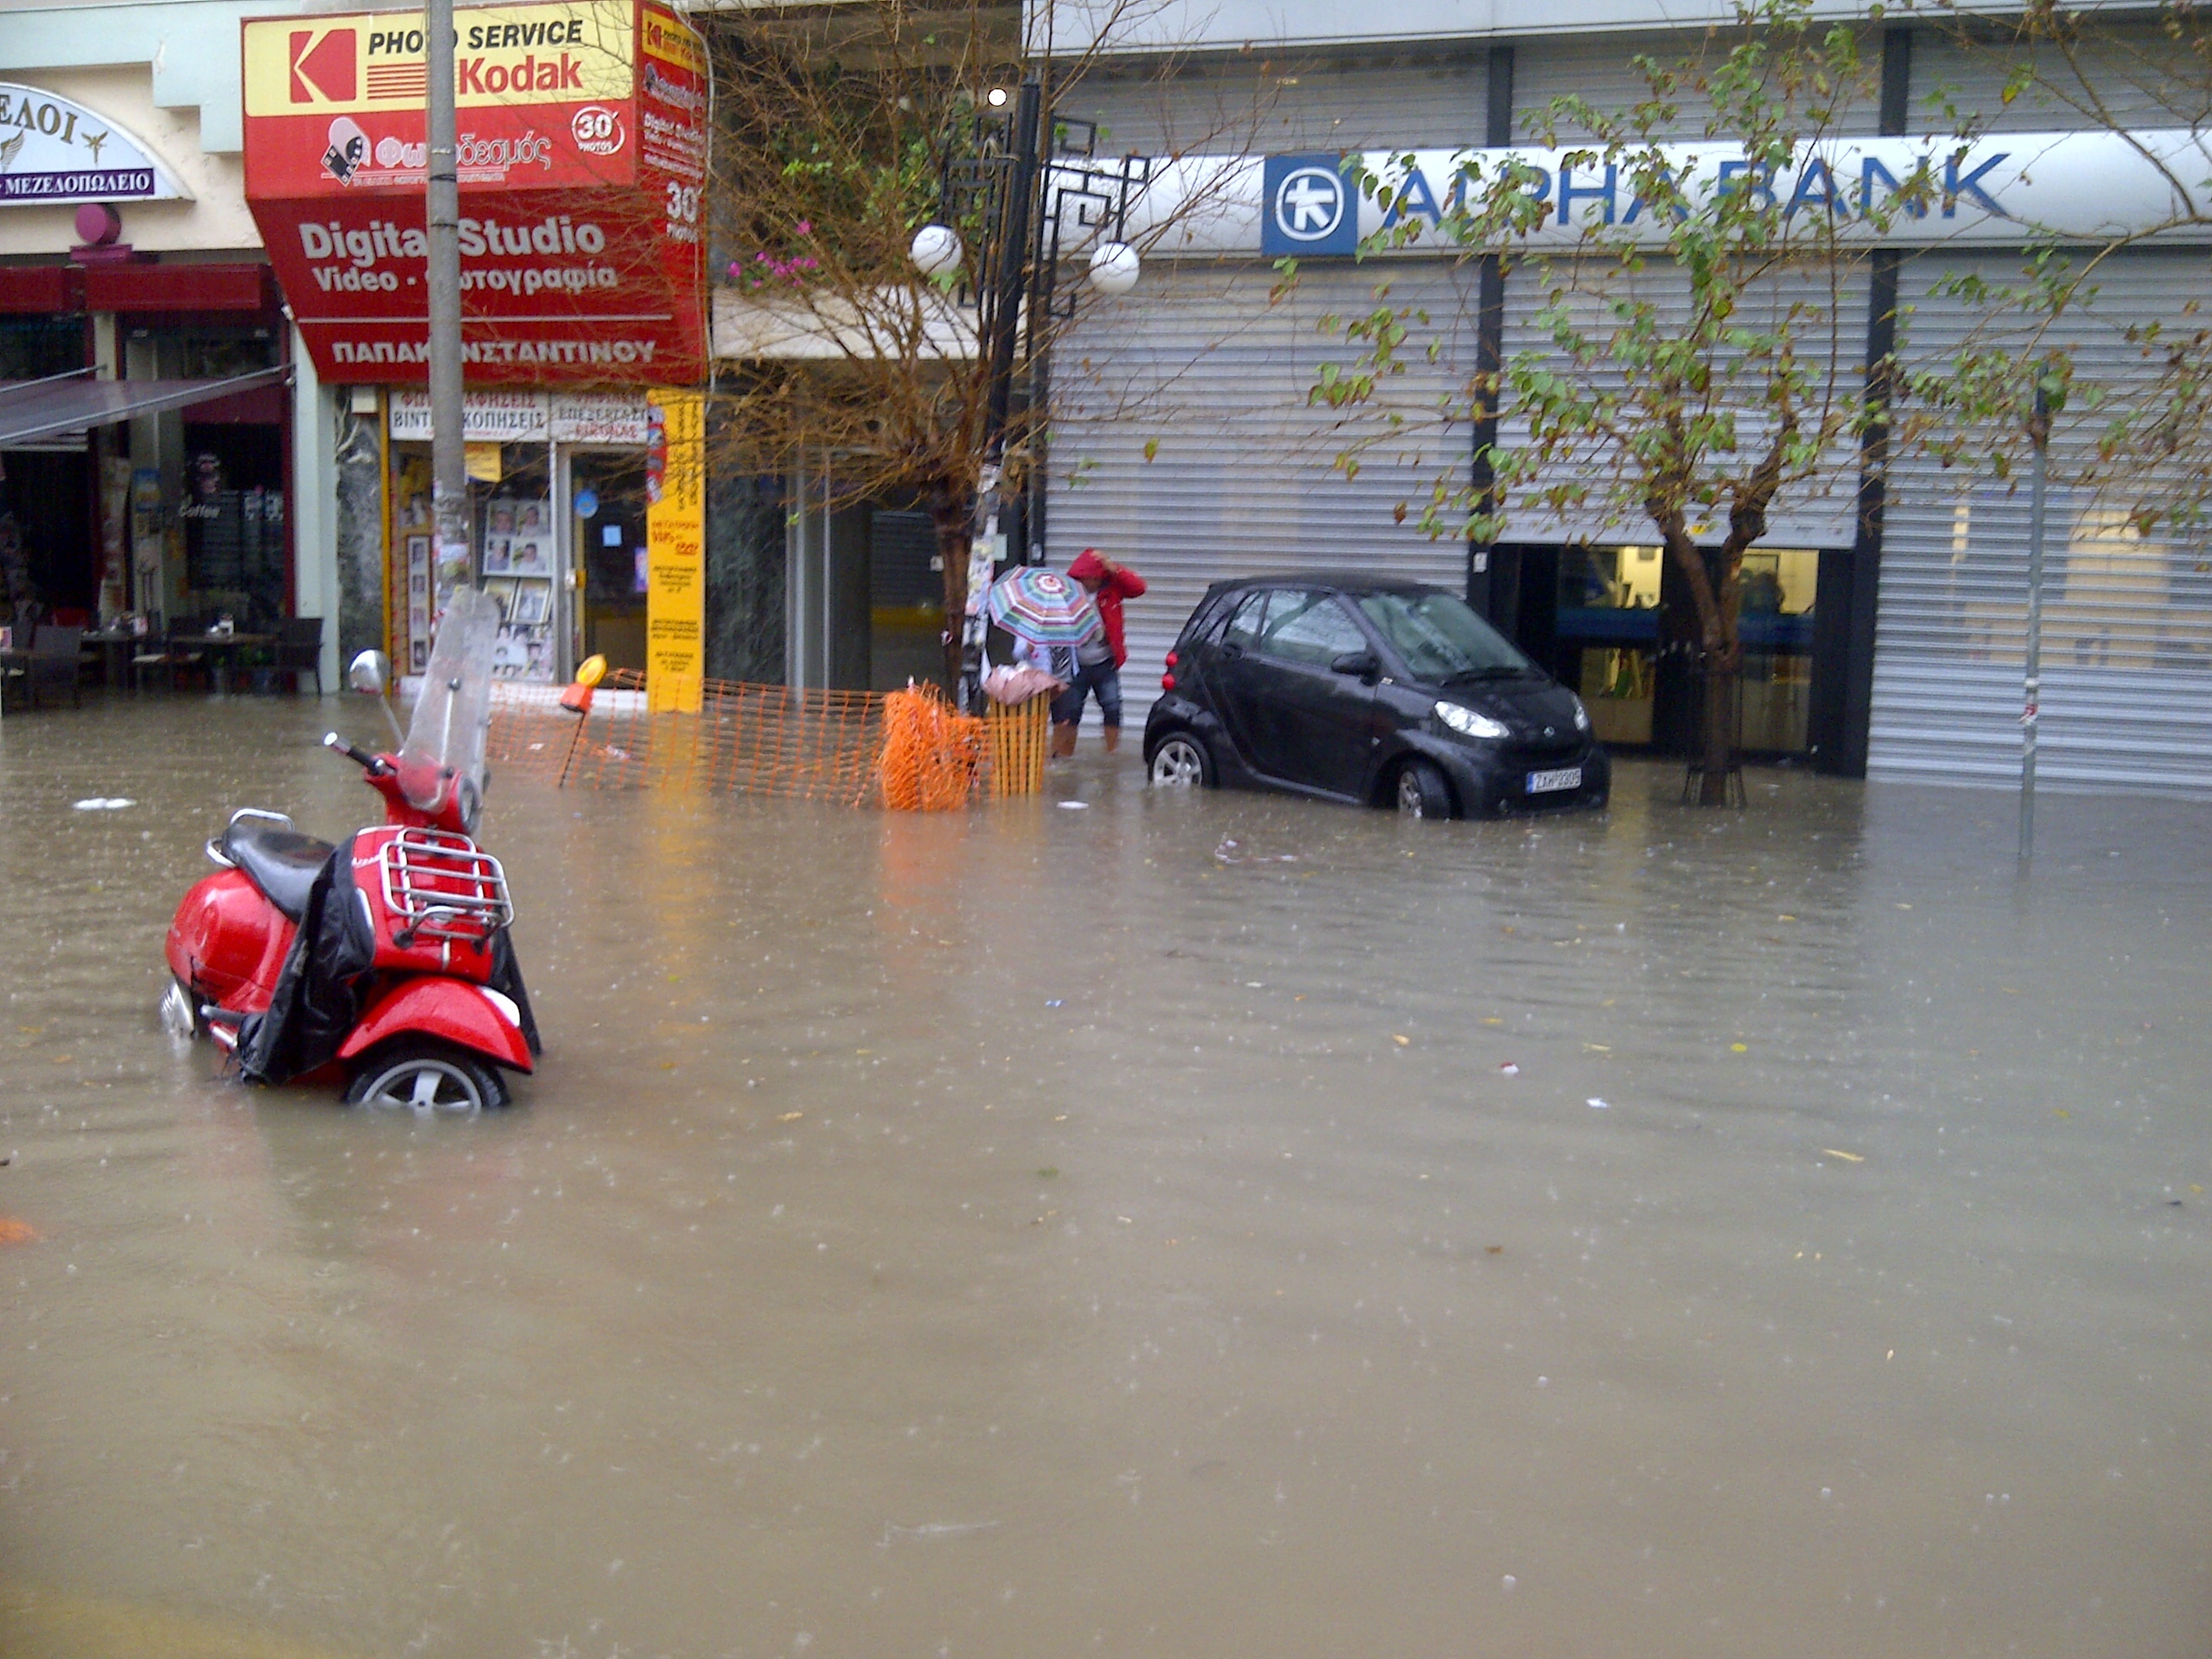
(1719, 657)
(1723, 670)
(951, 510)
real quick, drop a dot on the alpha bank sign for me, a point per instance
(2005, 189)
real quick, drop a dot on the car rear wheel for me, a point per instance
(428, 1079)
(1181, 763)
(1422, 792)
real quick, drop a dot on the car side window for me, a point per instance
(1244, 630)
(1304, 626)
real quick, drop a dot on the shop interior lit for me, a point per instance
(1622, 631)
(558, 526)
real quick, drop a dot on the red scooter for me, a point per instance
(384, 962)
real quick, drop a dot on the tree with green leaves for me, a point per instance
(1700, 361)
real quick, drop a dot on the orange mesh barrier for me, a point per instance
(1019, 735)
(907, 750)
(933, 757)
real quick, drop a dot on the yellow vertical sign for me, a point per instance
(676, 551)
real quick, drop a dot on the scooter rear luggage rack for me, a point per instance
(441, 885)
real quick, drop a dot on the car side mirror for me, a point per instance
(1366, 663)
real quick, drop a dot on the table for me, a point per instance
(116, 647)
(223, 651)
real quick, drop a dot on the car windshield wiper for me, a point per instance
(1494, 671)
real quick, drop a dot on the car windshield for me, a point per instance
(1440, 639)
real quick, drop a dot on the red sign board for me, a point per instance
(581, 152)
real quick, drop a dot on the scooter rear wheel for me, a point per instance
(429, 1080)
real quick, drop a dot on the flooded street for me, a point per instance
(1212, 1226)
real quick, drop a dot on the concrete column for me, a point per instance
(315, 584)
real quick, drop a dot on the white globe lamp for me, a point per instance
(936, 250)
(1114, 268)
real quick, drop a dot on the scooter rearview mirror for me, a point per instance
(370, 673)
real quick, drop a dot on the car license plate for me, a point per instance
(1567, 777)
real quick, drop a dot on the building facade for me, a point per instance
(127, 256)
(1884, 620)
(236, 241)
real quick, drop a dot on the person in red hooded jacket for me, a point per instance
(1108, 584)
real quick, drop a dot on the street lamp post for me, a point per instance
(1031, 188)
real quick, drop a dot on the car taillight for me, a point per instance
(1167, 682)
(1172, 659)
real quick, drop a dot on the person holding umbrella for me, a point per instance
(1056, 628)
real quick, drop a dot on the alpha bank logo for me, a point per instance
(1308, 208)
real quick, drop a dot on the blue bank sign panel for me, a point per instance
(2004, 189)
(1311, 207)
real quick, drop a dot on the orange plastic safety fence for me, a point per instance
(905, 748)
(932, 756)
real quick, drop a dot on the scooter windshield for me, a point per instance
(443, 758)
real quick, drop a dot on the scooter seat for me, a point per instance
(283, 863)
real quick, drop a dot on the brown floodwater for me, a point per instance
(1123, 1230)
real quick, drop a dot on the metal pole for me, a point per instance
(449, 477)
(2039, 434)
(1011, 278)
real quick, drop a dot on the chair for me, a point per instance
(54, 662)
(181, 646)
(300, 649)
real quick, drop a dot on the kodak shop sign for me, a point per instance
(581, 151)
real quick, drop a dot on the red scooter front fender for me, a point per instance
(447, 1009)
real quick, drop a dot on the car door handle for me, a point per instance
(1232, 652)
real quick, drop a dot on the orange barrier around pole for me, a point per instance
(1020, 733)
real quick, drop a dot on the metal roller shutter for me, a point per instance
(1601, 70)
(1821, 512)
(2129, 61)
(1293, 107)
(2127, 635)
(1242, 480)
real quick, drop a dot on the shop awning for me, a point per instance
(33, 410)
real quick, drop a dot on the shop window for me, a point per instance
(233, 512)
(610, 547)
(1610, 605)
(32, 347)
(906, 599)
(520, 559)
(1774, 614)
(208, 351)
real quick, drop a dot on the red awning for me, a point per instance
(32, 410)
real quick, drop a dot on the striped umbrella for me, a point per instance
(1042, 606)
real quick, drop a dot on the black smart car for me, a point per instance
(1384, 693)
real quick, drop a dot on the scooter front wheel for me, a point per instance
(429, 1080)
